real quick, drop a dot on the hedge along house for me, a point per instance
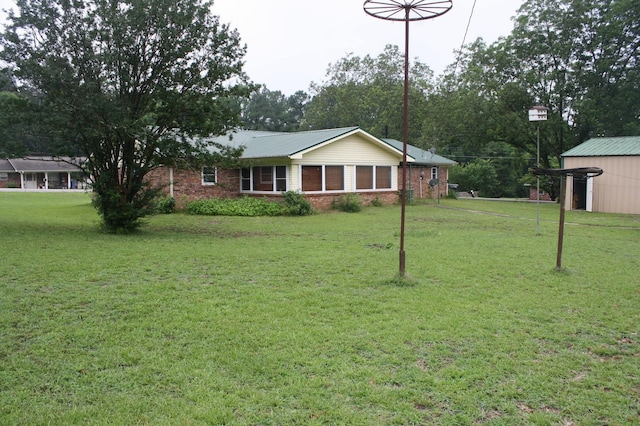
(322, 164)
(617, 190)
(41, 173)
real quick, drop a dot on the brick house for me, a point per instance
(37, 172)
(323, 164)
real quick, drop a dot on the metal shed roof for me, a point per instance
(606, 147)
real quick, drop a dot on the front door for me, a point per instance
(30, 181)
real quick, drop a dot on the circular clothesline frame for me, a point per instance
(588, 172)
(407, 10)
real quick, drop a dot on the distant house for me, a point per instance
(617, 190)
(41, 173)
(323, 164)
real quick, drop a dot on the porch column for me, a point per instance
(171, 182)
(21, 180)
(46, 180)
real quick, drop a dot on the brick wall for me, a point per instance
(188, 186)
(325, 201)
(13, 181)
(414, 182)
(544, 195)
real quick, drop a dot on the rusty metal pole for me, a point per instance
(405, 141)
(563, 173)
(407, 11)
(563, 182)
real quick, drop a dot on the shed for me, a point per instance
(617, 190)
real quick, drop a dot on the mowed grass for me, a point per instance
(302, 320)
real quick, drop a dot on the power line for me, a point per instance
(464, 39)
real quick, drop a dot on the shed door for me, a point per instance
(589, 194)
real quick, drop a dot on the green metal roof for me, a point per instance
(262, 144)
(289, 144)
(606, 147)
(422, 157)
(259, 144)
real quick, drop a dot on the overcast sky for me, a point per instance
(291, 42)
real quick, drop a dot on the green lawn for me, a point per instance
(301, 320)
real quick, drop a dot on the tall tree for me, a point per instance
(12, 136)
(608, 68)
(579, 58)
(274, 111)
(368, 92)
(130, 85)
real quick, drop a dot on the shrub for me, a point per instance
(377, 202)
(166, 205)
(245, 206)
(350, 203)
(297, 204)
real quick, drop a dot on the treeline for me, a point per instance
(579, 58)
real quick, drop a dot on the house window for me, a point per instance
(246, 179)
(334, 178)
(322, 178)
(434, 173)
(383, 177)
(266, 175)
(311, 178)
(4, 176)
(209, 175)
(373, 177)
(264, 178)
(281, 178)
(364, 177)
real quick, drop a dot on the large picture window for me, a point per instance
(264, 179)
(322, 178)
(373, 177)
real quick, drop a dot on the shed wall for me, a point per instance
(617, 190)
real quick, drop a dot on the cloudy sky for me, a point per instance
(291, 42)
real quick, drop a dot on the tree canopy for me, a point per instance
(135, 80)
(273, 111)
(368, 92)
(128, 84)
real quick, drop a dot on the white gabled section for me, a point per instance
(354, 147)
